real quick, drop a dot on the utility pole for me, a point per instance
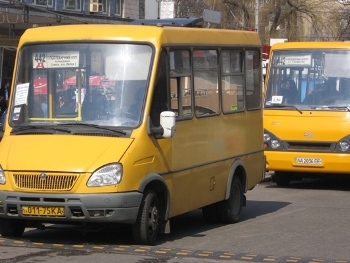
(257, 15)
(158, 17)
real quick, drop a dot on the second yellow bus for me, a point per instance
(307, 110)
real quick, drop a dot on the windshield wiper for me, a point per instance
(283, 106)
(38, 129)
(347, 108)
(94, 126)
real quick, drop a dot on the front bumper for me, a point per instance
(327, 162)
(106, 207)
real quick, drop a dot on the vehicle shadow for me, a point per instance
(189, 224)
(331, 182)
(194, 224)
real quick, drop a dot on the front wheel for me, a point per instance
(230, 210)
(146, 227)
(12, 227)
(281, 179)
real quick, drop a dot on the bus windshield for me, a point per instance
(97, 83)
(317, 79)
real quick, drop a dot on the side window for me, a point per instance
(232, 80)
(180, 83)
(253, 79)
(206, 90)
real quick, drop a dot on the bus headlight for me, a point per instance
(275, 144)
(344, 146)
(267, 137)
(108, 175)
(271, 142)
(2, 176)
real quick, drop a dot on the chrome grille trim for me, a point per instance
(57, 182)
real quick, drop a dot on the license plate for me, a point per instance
(43, 210)
(312, 161)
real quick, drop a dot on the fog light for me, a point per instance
(109, 212)
(96, 213)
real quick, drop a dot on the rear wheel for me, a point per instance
(12, 227)
(230, 210)
(146, 227)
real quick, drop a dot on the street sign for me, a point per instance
(212, 16)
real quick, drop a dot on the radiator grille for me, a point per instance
(45, 182)
(304, 146)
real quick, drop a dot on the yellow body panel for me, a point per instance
(293, 126)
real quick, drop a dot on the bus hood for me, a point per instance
(310, 125)
(60, 153)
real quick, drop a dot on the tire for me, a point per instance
(281, 179)
(12, 227)
(146, 227)
(230, 210)
(210, 214)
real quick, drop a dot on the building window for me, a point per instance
(44, 2)
(118, 7)
(99, 6)
(72, 5)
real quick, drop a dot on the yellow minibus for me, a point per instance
(173, 125)
(306, 111)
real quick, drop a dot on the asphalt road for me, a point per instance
(306, 222)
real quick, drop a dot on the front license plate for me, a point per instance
(312, 161)
(43, 211)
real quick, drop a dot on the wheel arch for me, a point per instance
(157, 183)
(237, 170)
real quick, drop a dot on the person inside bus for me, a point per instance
(43, 105)
(324, 93)
(315, 96)
(110, 102)
(332, 93)
(94, 106)
(4, 95)
(289, 92)
(65, 106)
(36, 109)
(135, 106)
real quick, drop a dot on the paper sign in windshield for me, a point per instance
(21, 94)
(67, 59)
(277, 99)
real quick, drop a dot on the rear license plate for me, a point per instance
(310, 161)
(43, 210)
